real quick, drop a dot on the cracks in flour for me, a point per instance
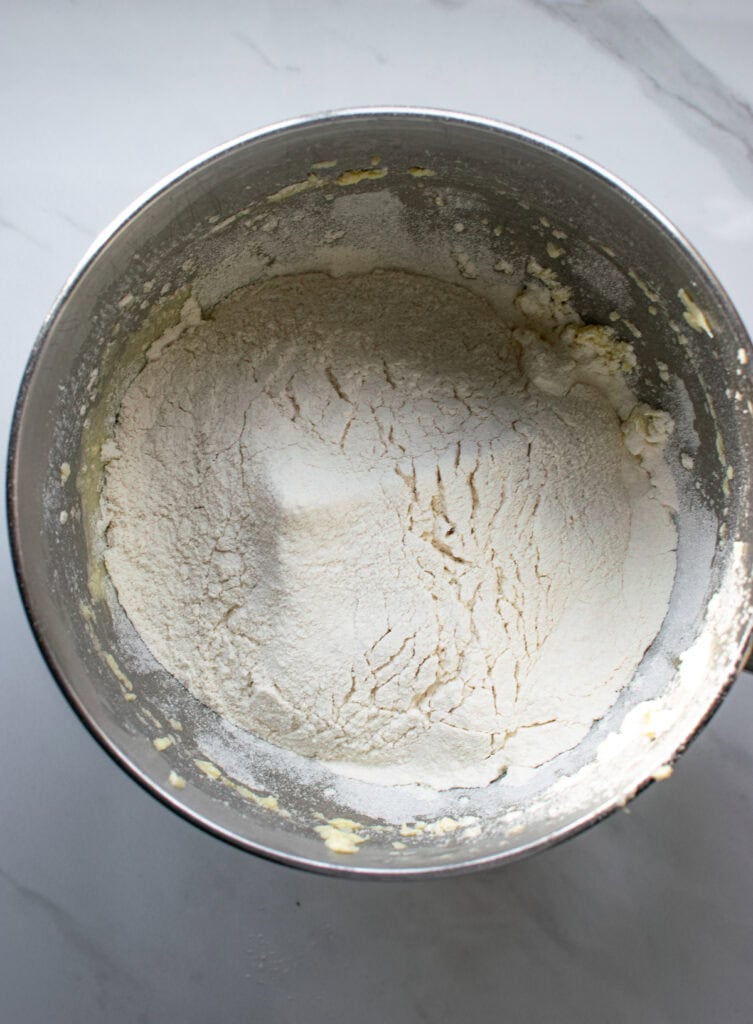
(368, 538)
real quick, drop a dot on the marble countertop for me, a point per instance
(113, 909)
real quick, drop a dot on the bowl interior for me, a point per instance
(340, 194)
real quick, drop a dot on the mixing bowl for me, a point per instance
(349, 191)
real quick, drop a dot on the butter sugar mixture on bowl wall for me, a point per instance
(377, 520)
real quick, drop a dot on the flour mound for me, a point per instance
(367, 520)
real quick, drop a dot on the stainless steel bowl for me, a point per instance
(382, 187)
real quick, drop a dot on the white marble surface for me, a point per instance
(112, 909)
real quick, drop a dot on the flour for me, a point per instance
(369, 521)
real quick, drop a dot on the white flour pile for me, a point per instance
(366, 520)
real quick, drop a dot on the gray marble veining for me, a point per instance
(264, 57)
(695, 96)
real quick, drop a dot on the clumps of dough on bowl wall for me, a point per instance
(394, 495)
